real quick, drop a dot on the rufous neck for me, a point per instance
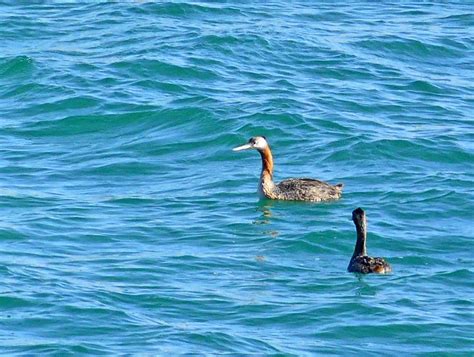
(267, 162)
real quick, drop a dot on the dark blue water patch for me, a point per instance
(75, 104)
(409, 48)
(402, 150)
(37, 346)
(414, 13)
(18, 200)
(10, 303)
(342, 73)
(10, 234)
(324, 15)
(147, 68)
(83, 125)
(163, 86)
(458, 43)
(421, 86)
(19, 98)
(185, 10)
(464, 19)
(20, 66)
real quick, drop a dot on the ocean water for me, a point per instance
(129, 226)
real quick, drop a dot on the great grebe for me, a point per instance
(360, 262)
(294, 189)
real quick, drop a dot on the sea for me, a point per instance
(128, 226)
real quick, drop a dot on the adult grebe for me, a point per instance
(360, 262)
(301, 189)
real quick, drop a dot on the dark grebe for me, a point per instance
(360, 262)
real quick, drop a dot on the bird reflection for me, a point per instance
(266, 215)
(264, 208)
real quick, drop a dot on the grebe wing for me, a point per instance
(306, 189)
(306, 183)
(365, 264)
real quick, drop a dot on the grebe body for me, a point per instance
(360, 261)
(293, 189)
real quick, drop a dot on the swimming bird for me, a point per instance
(293, 189)
(360, 261)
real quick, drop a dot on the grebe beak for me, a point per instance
(243, 147)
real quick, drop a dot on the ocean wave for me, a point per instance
(17, 66)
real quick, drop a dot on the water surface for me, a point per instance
(128, 225)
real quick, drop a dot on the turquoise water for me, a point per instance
(128, 225)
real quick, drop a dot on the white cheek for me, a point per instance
(261, 145)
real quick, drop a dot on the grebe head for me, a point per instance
(358, 216)
(257, 142)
